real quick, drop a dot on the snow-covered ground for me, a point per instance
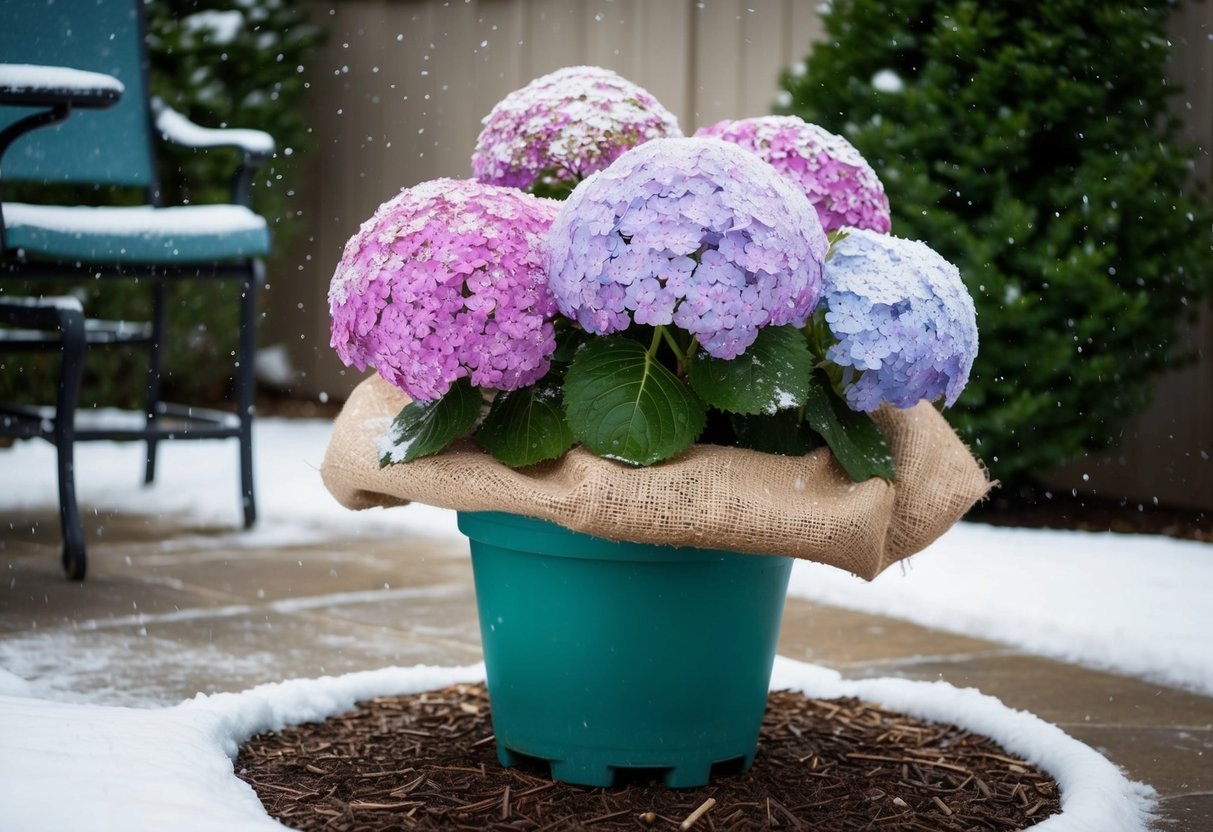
(1134, 604)
(170, 768)
(1137, 605)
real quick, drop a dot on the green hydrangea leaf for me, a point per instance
(526, 426)
(856, 441)
(772, 375)
(424, 428)
(623, 404)
(784, 433)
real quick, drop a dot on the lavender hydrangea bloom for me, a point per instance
(838, 181)
(692, 232)
(447, 280)
(574, 121)
(905, 323)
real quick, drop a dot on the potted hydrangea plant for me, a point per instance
(644, 401)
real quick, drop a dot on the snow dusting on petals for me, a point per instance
(697, 233)
(905, 323)
(447, 280)
(838, 181)
(567, 124)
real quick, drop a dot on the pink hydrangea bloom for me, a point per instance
(447, 280)
(697, 233)
(838, 181)
(570, 123)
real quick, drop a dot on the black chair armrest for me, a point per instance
(43, 313)
(56, 88)
(31, 85)
(55, 91)
(256, 146)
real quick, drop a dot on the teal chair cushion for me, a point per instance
(140, 234)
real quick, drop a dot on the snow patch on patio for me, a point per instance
(1134, 604)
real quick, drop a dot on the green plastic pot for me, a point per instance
(603, 657)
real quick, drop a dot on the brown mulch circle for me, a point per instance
(428, 762)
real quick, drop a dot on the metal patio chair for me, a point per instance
(75, 108)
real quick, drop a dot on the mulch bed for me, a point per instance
(428, 762)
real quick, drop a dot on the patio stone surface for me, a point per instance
(170, 610)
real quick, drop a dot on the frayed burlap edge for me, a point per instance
(709, 497)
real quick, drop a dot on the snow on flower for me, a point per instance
(568, 124)
(838, 181)
(905, 323)
(692, 232)
(446, 280)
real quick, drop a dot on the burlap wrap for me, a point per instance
(710, 497)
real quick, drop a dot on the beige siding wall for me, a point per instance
(399, 90)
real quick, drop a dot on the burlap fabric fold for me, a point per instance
(709, 497)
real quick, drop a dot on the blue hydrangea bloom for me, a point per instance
(905, 324)
(697, 233)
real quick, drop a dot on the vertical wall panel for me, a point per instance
(663, 48)
(556, 35)
(715, 79)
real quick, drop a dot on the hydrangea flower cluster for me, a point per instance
(838, 181)
(905, 323)
(447, 280)
(694, 232)
(572, 122)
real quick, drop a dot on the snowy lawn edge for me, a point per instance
(1095, 794)
(132, 769)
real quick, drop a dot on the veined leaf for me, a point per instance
(424, 428)
(856, 441)
(623, 404)
(527, 426)
(772, 375)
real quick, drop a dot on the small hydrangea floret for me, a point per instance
(447, 280)
(905, 324)
(566, 125)
(697, 233)
(838, 181)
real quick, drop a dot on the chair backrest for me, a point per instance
(109, 147)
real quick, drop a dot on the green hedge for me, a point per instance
(1029, 143)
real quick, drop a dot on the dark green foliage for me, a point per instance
(1030, 145)
(249, 76)
(254, 79)
(424, 428)
(528, 425)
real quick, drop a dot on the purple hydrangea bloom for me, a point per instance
(692, 232)
(572, 122)
(838, 181)
(447, 280)
(905, 322)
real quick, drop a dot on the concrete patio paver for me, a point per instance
(158, 622)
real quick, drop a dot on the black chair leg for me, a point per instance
(71, 325)
(246, 386)
(154, 367)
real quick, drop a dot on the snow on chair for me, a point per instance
(75, 109)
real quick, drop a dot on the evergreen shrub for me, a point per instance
(1031, 144)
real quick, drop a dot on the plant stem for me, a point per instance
(656, 341)
(669, 339)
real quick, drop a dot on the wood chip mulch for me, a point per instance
(428, 762)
